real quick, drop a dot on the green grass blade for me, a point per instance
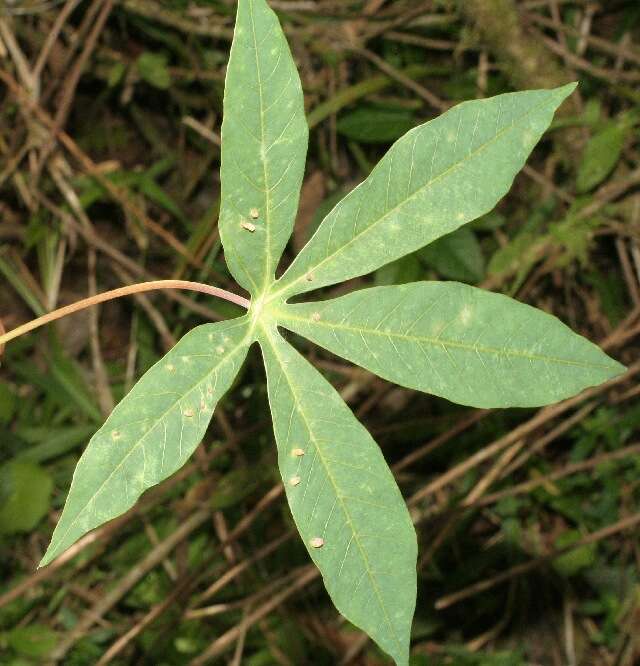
(342, 492)
(470, 346)
(153, 431)
(436, 178)
(264, 146)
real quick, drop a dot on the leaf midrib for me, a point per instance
(263, 158)
(287, 288)
(439, 342)
(159, 420)
(339, 496)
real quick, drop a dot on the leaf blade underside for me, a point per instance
(439, 176)
(264, 147)
(154, 429)
(342, 491)
(465, 344)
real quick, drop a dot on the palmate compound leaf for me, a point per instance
(342, 494)
(264, 146)
(465, 344)
(436, 178)
(154, 430)
(344, 499)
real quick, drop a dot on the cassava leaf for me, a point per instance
(452, 340)
(341, 491)
(153, 431)
(438, 177)
(458, 342)
(264, 145)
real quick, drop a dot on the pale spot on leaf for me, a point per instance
(465, 315)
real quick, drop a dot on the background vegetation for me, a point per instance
(109, 156)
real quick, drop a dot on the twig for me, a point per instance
(103, 389)
(438, 441)
(235, 571)
(584, 64)
(188, 583)
(516, 434)
(564, 426)
(308, 575)
(525, 567)
(495, 472)
(52, 36)
(568, 470)
(407, 18)
(202, 130)
(626, 51)
(39, 576)
(422, 92)
(93, 239)
(65, 99)
(627, 271)
(19, 59)
(91, 168)
(418, 40)
(175, 20)
(359, 90)
(603, 196)
(157, 555)
(117, 647)
(237, 657)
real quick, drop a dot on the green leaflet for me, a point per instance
(464, 344)
(438, 177)
(342, 491)
(456, 256)
(264, 145)
(25, 496)
(601, 155)
(368, 124)
(153, 431)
